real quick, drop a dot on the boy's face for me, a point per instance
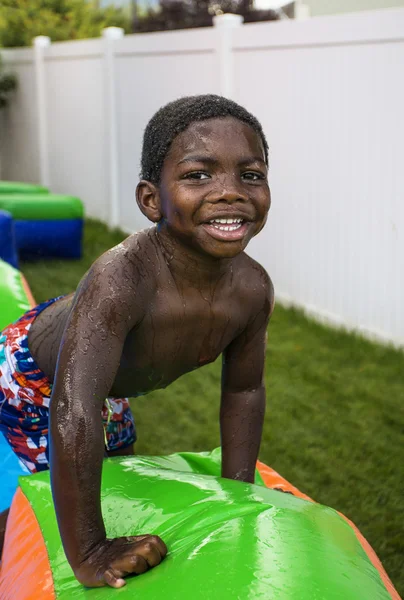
(214, 191)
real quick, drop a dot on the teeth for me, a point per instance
(227, 227)
(228, 221)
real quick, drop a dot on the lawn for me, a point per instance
(335, 420)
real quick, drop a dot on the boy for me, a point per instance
(164, 302)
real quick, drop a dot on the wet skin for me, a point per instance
(164, 302)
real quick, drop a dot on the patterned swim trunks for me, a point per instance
(25, 393)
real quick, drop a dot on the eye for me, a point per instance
(197, 175)
(253, 176)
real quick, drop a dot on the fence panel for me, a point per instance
(330, 94)
(77, 149)
(152, 71)
(331, 105)
(19, 134)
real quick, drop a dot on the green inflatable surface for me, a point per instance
(42, 206)
(227, 540)
(16, 187)
(13, 299)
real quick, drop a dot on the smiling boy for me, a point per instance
(165, 301)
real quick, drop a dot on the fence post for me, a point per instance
(41, 42)
(110, 35)
(225, 25)
(302, 11)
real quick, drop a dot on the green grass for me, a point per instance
(335, 420)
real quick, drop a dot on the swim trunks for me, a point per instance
(25, 393)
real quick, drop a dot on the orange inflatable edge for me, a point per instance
(24, 557)
(25, 569)
(273, 480)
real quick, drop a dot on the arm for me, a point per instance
(242, 407)
(101, 316)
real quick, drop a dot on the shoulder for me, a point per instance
(123, 274)
(255, 285)
(127, 262)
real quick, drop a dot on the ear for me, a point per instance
(148, 200)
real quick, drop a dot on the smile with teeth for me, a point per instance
(226, 224)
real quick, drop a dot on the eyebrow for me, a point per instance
(213, 161)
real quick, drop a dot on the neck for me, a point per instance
(186, 264)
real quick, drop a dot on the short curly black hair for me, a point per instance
(173, 118)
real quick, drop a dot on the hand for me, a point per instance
(111, 560)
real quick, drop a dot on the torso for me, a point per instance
(181, 330)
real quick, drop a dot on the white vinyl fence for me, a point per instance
(329, 92)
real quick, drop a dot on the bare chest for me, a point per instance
(175, 338)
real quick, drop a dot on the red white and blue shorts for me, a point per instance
(25, 393)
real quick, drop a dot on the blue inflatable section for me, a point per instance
(8, 251)
(10, 469)
(36, 239)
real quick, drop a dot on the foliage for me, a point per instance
(22, 20)
(185, 14)
(8, 83)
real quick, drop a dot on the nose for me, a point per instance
(228, 189)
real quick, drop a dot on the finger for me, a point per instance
(138, 564)
(150, 553)
(133, 539)
(160, 545)
(153, 539)
(131, 564)
(158, 542)
(113, 579)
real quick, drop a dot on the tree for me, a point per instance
(185, 14)
(8, 83)
(22, 20)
